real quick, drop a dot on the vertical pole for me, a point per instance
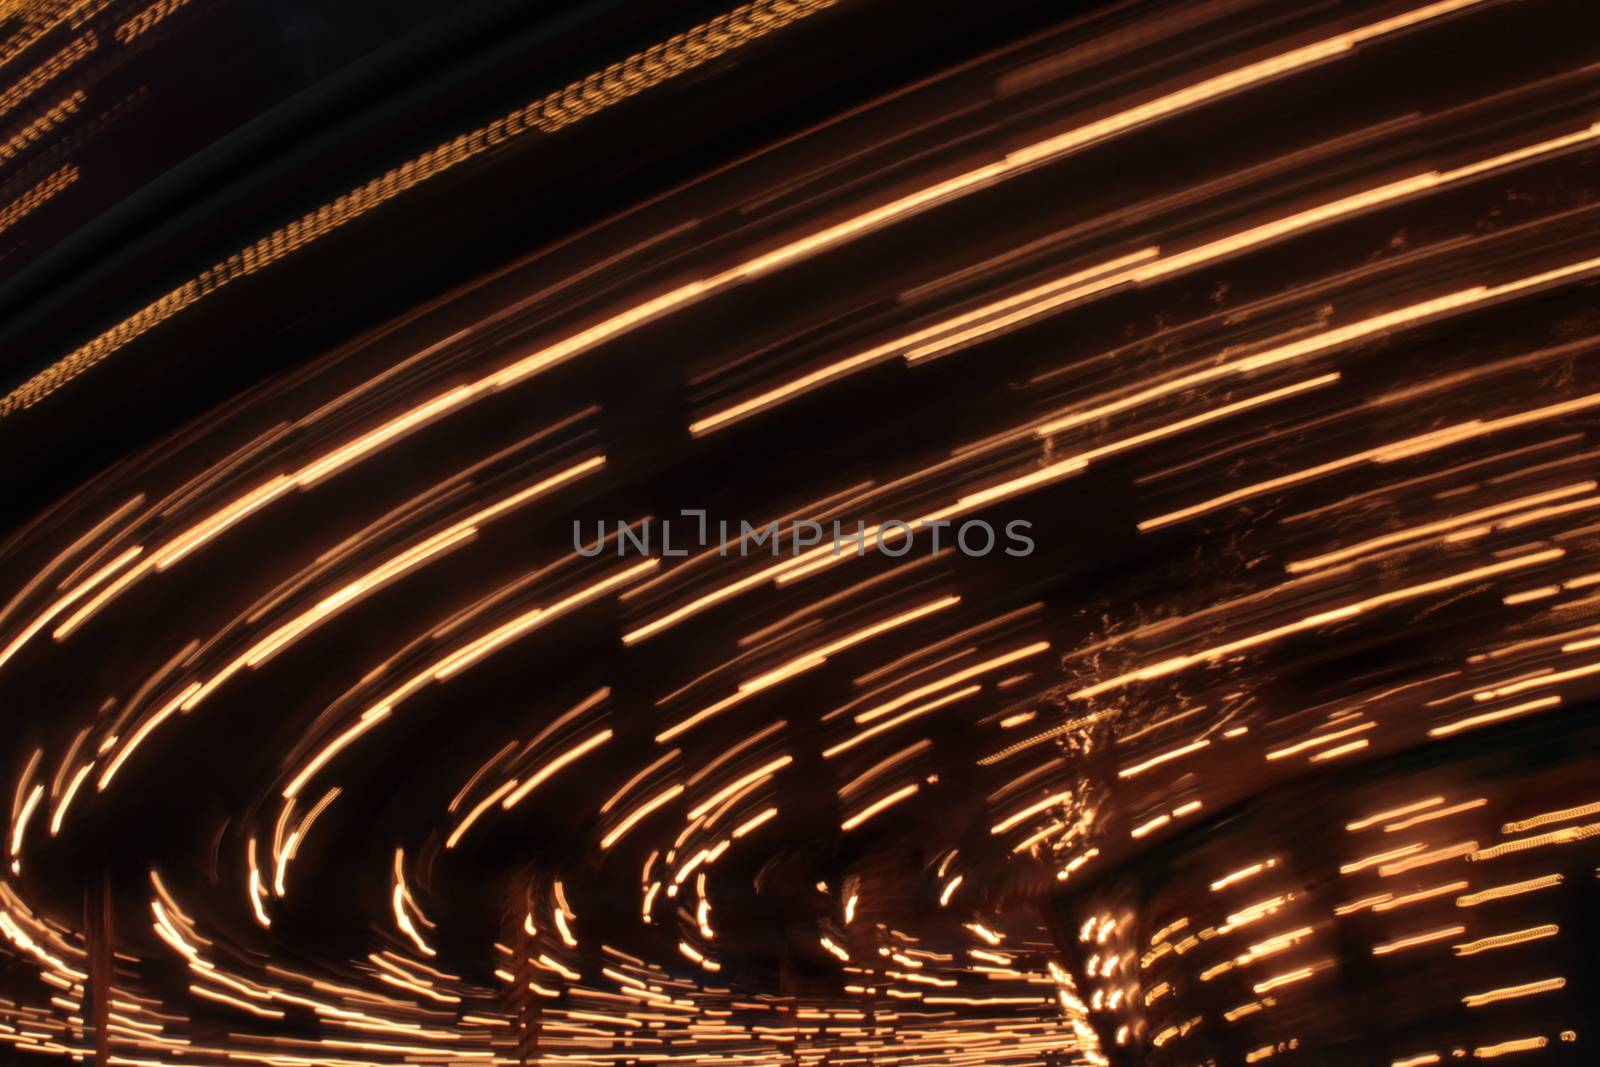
(97, 923)
(525, 1006)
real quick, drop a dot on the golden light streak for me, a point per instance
(1510, 889)
(1526, 989)
(1321, 618)
(1506, 940)
(78, 592)
(764, 771)
(60, 813)
(1499, 715)
(1393, 813)
(903, 717)
(633, 817)
(477, 811)
(1156, 761)
(1005, 659)
(1582, 811)
(544, 773)
(138, 736)
(877, 806)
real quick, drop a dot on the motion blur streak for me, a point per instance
(1268, 330)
